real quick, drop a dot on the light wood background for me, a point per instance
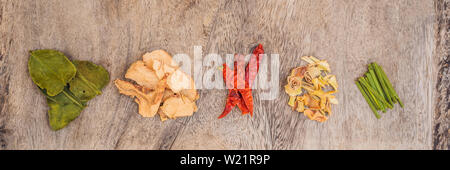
(400, 35)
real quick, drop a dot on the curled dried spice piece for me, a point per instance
(162, 88)
(178, 106)
(142, 75)
(300, 106)
(178, 81)
(148, 99)
(315, 115)
(294, 86)
(314, 79)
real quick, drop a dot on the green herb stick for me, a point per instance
(371, 90)
(376, 82)
(371, 96)
(372, 107)
(372, 83)
(383, 84)
(389, 85)
(377, 89)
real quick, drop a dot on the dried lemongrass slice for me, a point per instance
(322, 64)
(331, 79)
(315, 115)
(300, 106)
(298, 72)
(291, 101)
(315, 103)
(308, 59)
(314, 72)
(294, 86)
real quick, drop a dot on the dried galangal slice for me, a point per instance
(309, 89)
(185, 107)
(161, 87)
(148, 99)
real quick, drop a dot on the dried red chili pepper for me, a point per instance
(237, 96)
(253, 65)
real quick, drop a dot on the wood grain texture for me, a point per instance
(399, 35)
(441, 133)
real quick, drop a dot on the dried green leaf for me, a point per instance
(63, 108)
(89, 80)
(50, 70)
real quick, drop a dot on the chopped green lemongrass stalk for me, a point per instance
(371, 80)
(382, 83)
(374, 100)
(394, 99)
(388, 84)
(399, 101)
(368, 100)
(378, 105)
(377, 83)
(395, 95)
(379, 98)
(378, 86)
(371, 97)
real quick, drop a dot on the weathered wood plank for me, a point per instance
(441, 128)
(399, 35)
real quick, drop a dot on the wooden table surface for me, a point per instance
(409, 38)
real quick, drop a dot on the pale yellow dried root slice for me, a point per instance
(178, 81)
(178, 106)
(159, 55)
(142, 75)
(161, 87)
(161, 62)
(145, 97)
